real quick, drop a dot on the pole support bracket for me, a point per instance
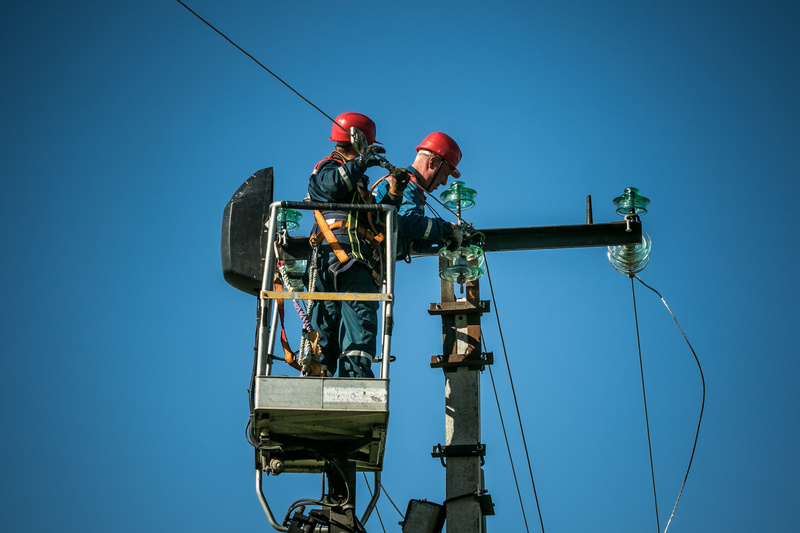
(459, 450)
(475, 361)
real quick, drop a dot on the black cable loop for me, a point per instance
(514, 394)
(646, 417)
(702, 404)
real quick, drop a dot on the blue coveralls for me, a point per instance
(347, 329)
(416, 231)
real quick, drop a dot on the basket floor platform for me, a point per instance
(303, 420)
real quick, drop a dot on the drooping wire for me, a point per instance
(514, 394)
(257, 62)
(702, 404)
(508, 446)
(646, 417)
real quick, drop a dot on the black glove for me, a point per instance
(400, 179)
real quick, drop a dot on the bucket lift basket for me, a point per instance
(298, 422)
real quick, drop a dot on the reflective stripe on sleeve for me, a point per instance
(428, 229)
(346, 178)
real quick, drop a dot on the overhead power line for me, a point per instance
(257, 62)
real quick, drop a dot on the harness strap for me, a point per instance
(289, 355)
(374, 240)
(328, 235)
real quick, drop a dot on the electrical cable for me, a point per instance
(257, 62)
(508, 446)
(441, 204)
(249, 429)
(383, 490)
(306, 501)
(646, 417)
(514, 394)
(702, 404)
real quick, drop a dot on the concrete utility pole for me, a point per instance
(462, 454)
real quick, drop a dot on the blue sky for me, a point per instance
(126, 357)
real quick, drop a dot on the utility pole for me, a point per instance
(462, 453)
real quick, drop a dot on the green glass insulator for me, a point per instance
(289, 218)
(460, 270)
(631, 202)
(631, 258)
(458, 193)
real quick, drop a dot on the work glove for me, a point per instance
(371, 157)
(400, 179)
(455, 239)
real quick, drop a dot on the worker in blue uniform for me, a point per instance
(348, 251)
(437, 157)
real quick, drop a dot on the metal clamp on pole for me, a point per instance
(459, 450)
(474, 361)
(483, 498)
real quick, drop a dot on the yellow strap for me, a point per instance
(341, 255)
(342, 296)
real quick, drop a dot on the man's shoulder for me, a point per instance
(328, 162)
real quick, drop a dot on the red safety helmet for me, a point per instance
(352, 120)
(445, 147)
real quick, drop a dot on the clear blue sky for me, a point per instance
(126, 357)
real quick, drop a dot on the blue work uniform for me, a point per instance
(347, 329)
(417, 233)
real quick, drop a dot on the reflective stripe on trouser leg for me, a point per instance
(356, 364)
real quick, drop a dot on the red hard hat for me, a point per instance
(442, 145)
(353, 120)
